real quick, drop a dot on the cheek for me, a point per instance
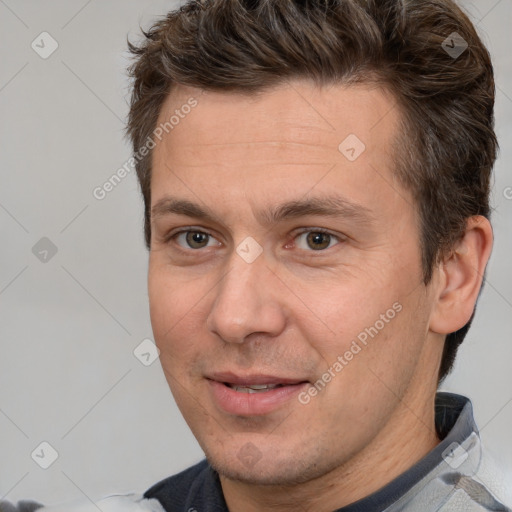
(348, 312)
(174, 322)
(380, 329)
(174, 310)
(375, 376)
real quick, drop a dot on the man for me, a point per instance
(316, 185)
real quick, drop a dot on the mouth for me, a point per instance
(253, 388)
(252, 394)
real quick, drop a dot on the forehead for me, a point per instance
(293, 134)
(296, 111)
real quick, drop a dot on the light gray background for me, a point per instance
(68, 327)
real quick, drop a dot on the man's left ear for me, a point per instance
(460, 277)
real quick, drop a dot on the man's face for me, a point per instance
(285, 253)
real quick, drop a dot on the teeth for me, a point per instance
(254, 388)
(262, 386)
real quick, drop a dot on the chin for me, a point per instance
(268, 469)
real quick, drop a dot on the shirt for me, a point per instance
(455, 476)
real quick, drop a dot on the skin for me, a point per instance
(295, 309)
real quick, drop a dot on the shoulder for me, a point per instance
(112, 503)
(481, 488)
(170, 492)
(495, 475)
(21, 506)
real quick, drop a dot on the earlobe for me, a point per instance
(462, 274)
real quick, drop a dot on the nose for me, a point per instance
(246, 302)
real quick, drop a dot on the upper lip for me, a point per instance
(246, 380)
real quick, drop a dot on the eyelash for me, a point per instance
(174, 235)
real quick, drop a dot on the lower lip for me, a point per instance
(251, 404)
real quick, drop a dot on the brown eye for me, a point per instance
(195, 239)
(318, 241)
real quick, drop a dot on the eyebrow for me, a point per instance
(326, 206)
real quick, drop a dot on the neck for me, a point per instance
(408, 436)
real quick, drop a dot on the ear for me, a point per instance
(460, 277)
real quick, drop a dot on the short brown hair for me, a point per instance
(446, 147)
